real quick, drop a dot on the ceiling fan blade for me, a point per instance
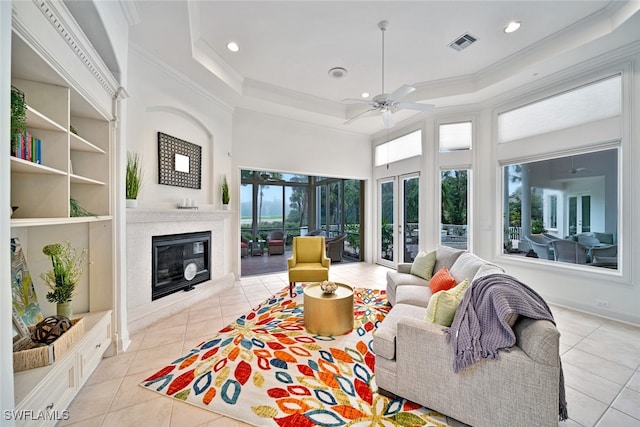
(413, 106)
(401, 92)
(387, 118)
(359, 115)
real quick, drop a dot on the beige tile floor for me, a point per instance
(601, 360)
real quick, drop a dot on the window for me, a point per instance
(453, 211)
(455, 136)
(571, 198)
(585, 104)
(400, 148)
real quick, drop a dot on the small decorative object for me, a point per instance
(25, 300)
(328, 287)
(225, 193)
(179, 162)
(63, 278)
(13, 209)
(50, 329)
(21, 336)
(133, 179)
(73, 130)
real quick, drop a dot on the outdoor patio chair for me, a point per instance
(540, 245)
(335, 247)
(569, 251)
(275, 242)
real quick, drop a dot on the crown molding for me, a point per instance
(164, 68)
(63, 22)
(130, 11)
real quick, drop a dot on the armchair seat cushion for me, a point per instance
(276, 242)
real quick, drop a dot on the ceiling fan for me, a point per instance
(387, 104)
(575, 170)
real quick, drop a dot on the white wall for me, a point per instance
(162, 101)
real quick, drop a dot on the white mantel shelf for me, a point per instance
(175, 215)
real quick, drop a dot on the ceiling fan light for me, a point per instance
(512, 26)
(365, 94)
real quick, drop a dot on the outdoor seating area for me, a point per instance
(583, 248)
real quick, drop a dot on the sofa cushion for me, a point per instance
(466, 266)
(446, 256)
(442, 280)
(384, 338)
(413, 295)
(423, 264)
(443, 305)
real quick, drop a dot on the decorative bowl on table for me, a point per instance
(328, 287)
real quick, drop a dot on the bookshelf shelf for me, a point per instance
(77, 179)
(37, 120)
(39, 222)
(25, 166)
(77, 143)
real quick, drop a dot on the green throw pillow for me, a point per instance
(423, 264)
(443, 305)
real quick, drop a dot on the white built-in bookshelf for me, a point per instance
(64, 91)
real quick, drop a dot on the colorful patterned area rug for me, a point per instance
(266, 370)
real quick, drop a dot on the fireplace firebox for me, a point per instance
(179, 261)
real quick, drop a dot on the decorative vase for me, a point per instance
(64, 309)
(225, 207)
(132, 203)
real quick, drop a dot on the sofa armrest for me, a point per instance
(404, 267)
(539, 339)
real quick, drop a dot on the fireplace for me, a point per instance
(179, 261)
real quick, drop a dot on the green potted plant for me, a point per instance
(18, 117)
(63, 277)
(133, 179)
(225, 193)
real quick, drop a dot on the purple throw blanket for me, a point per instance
(480, 328)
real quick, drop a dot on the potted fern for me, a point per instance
(133, 179)
(225, 193)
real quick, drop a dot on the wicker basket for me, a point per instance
(46, 355)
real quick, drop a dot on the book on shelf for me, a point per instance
(26, 147)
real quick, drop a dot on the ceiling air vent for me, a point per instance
(463, 42)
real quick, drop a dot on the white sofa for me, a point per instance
(414, 359)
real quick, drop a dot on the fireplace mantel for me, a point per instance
(173, 215)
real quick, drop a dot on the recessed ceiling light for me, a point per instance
(233, 46)
(338, 72)
(512, 26)
(365, 94)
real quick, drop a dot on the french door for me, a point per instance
(398, 208)
(579, 214)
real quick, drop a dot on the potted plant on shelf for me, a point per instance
(133, 179)
(63, 277)
(18, 118)
(225, 193)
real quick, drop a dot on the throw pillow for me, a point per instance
(443, 305)
(423, 264)
(442, 281)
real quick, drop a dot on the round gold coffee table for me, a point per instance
(328, 314)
